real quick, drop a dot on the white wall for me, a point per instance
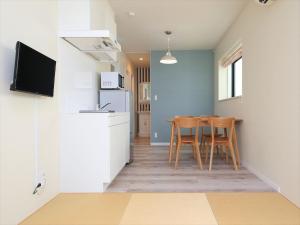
(125, 66)
(80, 79)
(270, 106)
(75, 16)
(26, 120)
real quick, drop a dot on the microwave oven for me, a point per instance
(111, 80)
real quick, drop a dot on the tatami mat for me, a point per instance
(81, 209)
(167, 209)
(253, 209)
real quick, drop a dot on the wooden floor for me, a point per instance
(151, 172)
(167, 209)
(142, 141)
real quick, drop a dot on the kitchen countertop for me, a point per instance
(95, 111)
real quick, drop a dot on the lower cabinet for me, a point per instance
(119, 149)
(95, 148)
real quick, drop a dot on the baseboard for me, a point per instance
(159, 143)
(261, 176)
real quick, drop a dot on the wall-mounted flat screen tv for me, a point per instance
(34, 72)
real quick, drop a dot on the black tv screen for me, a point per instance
(34, 72)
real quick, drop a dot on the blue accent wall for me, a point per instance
(185, 88)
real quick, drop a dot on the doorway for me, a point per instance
(143, 102)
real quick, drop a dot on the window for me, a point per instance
(235, 78)
(231, 75)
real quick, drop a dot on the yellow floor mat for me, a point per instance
(253, 209)
(81, 209)
(168, 209)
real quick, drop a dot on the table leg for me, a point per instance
(171, 142)
(236, 148)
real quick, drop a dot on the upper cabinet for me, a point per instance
(89, 25)
(102, 17)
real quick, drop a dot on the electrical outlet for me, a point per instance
(155, 97)
(155, 135)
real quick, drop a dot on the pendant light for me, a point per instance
(168, 58)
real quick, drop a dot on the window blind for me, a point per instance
(232, 57)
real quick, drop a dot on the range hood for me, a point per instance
(97, 43)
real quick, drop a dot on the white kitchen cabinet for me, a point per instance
(87, 15)
(95, 148)
(119, 133)
(102, 17)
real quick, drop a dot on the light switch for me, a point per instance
(155, 97)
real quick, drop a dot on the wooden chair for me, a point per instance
(188, 123)
(173, 131)
(207, 135)
(225, 140)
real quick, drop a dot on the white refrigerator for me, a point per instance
(117, 100)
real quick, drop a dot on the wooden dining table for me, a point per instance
(205, 120)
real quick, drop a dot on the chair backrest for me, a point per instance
(182, 116)
(223, 122)
(188, 122)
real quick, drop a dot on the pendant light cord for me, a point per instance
(168, 58)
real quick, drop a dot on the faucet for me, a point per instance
(104, 106)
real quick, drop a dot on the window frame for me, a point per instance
(230, 73)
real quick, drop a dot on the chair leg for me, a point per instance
(201, 143)
(170, 152)
(194, 150)
(211, 156)
(233, 155)
(236, 148)
(198, 155)
(171, 143)
(201, 148)
(177, 154)
(206, 151)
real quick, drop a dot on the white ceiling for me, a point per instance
(196, 24)
(135, 58)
